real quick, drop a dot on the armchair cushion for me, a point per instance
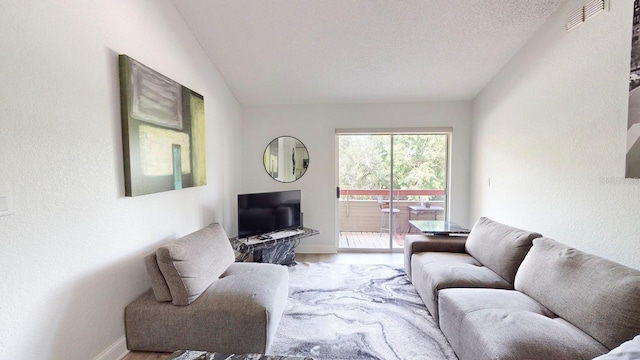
(192, 263)
(158, 283)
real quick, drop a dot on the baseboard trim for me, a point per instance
(116, 351)
(316, 249)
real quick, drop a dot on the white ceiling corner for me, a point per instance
(361, 51)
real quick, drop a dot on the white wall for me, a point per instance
(72, 251)
(550, 133)
(315, 126)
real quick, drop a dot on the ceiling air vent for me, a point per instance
(585, 12)
(592, 8)
(575, 18)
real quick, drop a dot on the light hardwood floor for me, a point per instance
(354, 258)
(369, 240)
(396, 259)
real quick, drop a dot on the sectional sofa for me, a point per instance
(506, 293)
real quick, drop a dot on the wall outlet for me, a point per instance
(6, 205)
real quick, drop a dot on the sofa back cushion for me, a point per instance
(192, 263)
(499, 247)
(158, 283)
(597, 295)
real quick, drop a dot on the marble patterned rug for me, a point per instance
(349, 312)
(204, 355)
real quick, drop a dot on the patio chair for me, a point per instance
(384, 216)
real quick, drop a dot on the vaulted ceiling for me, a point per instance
(361, 51)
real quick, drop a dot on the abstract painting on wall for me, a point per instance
(162, 131)
(633, 123)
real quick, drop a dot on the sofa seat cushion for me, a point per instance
(507, 324)
(239, 313)
(597, 295)
(190, 264)
(499, 247)
(433, 271)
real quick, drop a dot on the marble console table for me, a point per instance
(275, 251)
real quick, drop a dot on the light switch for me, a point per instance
(6, 207)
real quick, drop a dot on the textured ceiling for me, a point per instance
(354, 51)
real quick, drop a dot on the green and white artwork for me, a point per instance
(162, 131)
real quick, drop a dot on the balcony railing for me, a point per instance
(396, 193)
(360, 211)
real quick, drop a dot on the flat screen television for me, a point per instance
(263, 213)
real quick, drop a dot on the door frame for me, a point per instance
(448, 131)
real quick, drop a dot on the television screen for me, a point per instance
(268, 212)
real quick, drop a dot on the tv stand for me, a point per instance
(276, 249)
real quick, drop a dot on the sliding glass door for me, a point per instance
(385, 180)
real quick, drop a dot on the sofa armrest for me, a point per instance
(423, 243)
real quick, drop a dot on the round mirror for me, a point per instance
(286, 159)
